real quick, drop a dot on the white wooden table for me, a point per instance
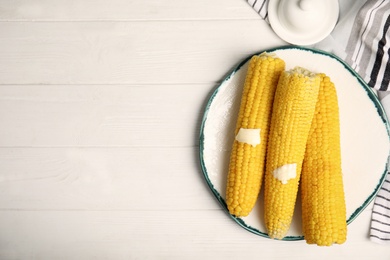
(100, 109)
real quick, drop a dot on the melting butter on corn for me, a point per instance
(249, 136)
(246, 164)
(286, 172)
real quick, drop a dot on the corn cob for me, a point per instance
(293, 110)
(247, 157)
(322, 193)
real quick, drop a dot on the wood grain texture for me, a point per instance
(163, 52)
(102, 115)
(157, 235)
(103, 179)
(87, 10)
(100, 108)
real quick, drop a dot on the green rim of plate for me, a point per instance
(371, 95)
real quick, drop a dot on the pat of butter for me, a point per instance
(249, 136)
(286, 172)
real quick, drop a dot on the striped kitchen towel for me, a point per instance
(260, 7)
(368, 47)
(380, 221)
(368, 53)
(362, 38)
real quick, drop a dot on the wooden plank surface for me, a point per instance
(100, 108)
(154, 52)
(123, 10)
(102, 115)
(138, 178)
(157, 235)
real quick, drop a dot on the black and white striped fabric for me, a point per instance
(260, 7)
(380, 221)
(368, 47)
(362, 38)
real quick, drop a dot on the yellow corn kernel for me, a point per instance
(293, 110)
(246, 164)
(322, 193)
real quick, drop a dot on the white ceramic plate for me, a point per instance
(365, 141)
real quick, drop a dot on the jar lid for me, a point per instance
(303, 22)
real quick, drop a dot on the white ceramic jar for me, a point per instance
(303, 22)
